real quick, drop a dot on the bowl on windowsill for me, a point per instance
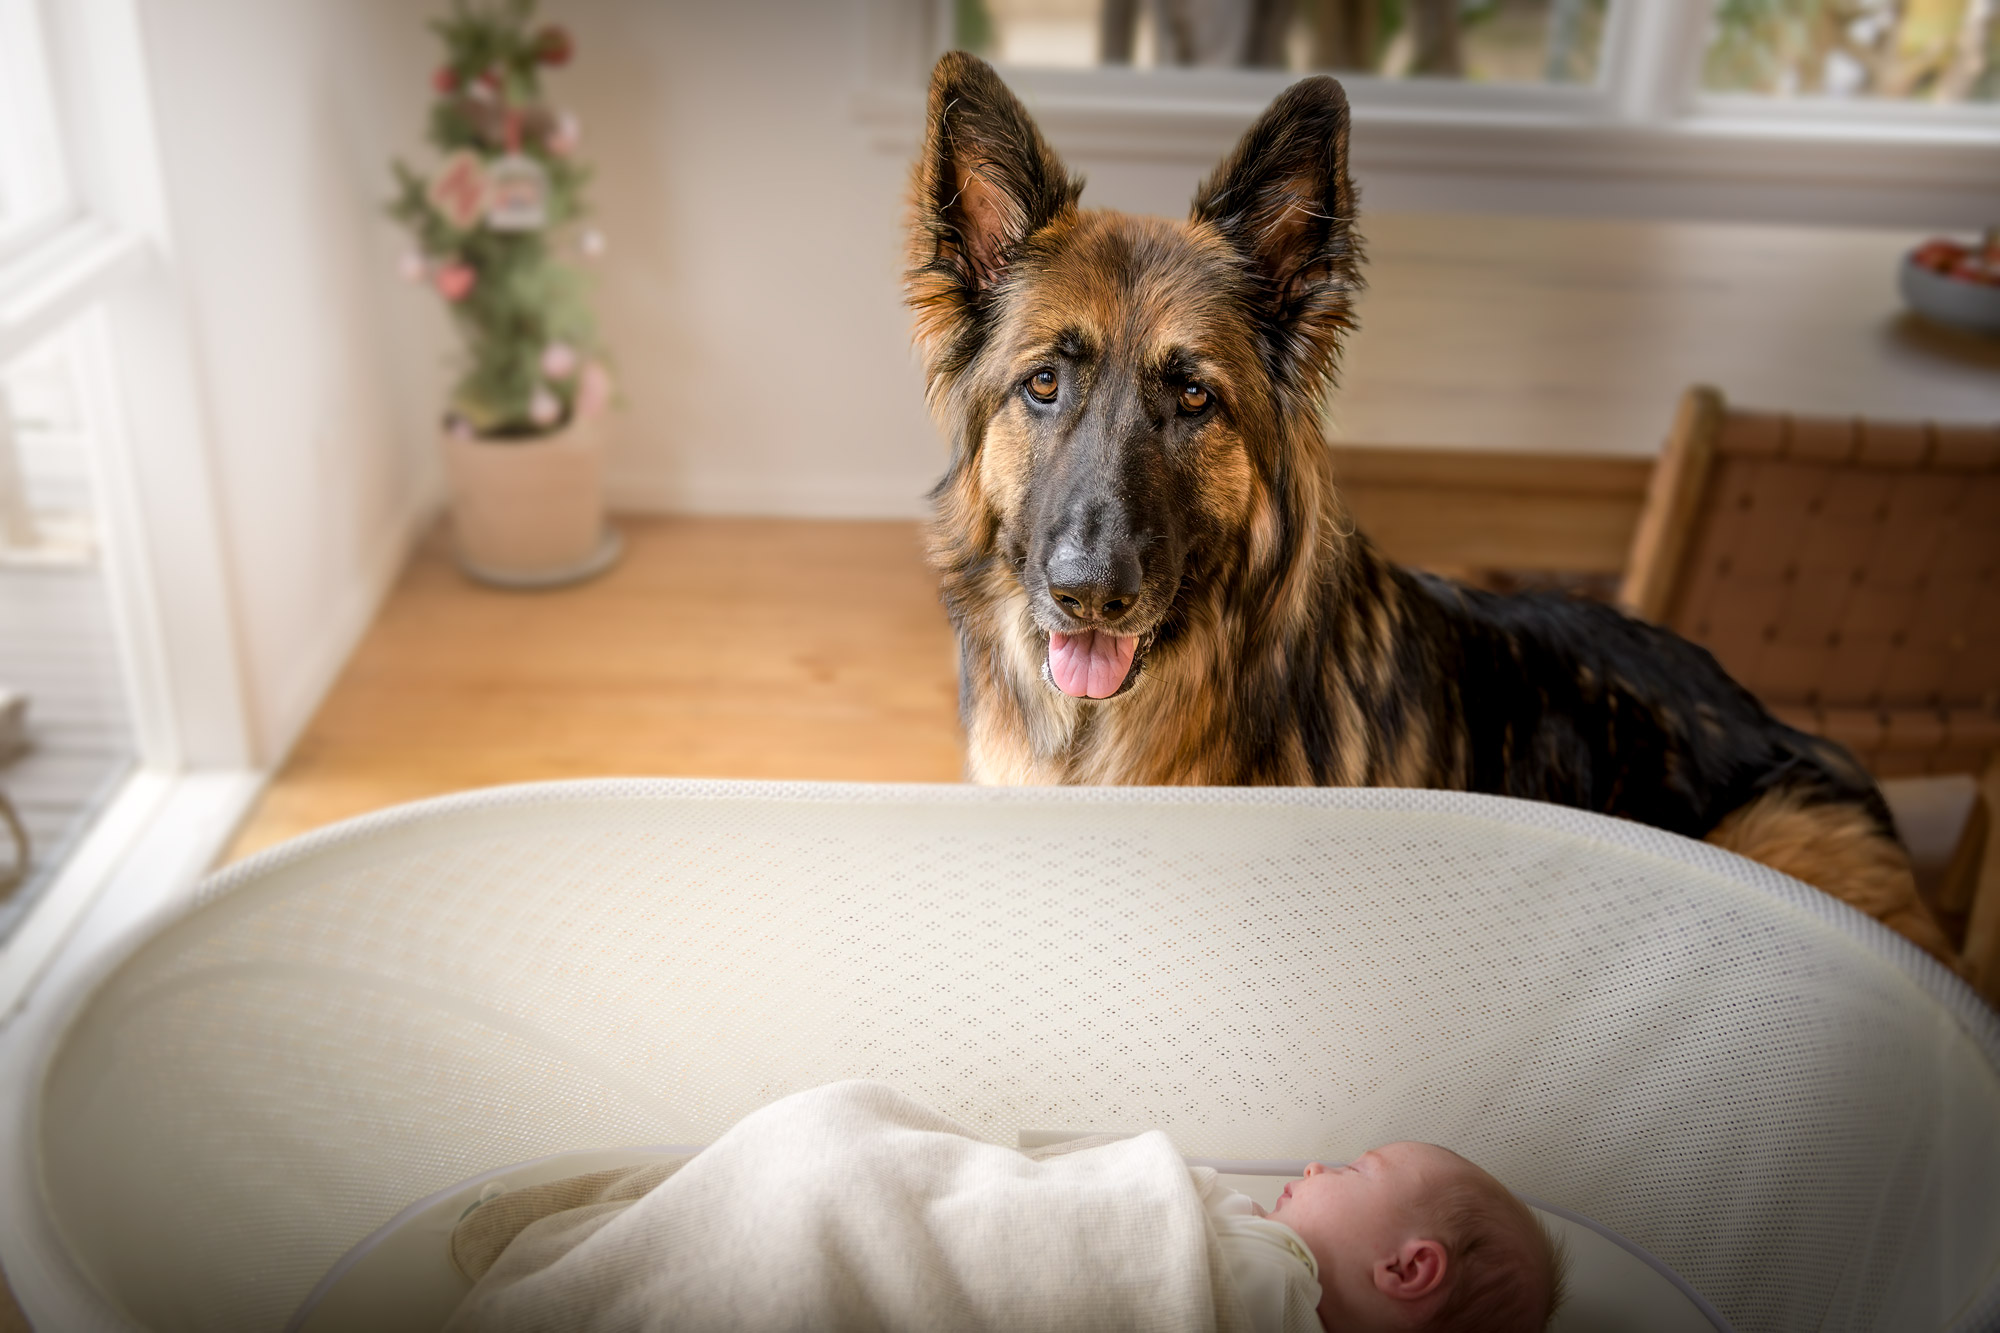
(1955, 284)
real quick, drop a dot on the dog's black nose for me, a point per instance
(1094, 588)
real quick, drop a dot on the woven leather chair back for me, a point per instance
(1847, 572)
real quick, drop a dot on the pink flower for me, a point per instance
(593, 391)
(564, 135)
(455, 281)
(544, 407)
(559, 361)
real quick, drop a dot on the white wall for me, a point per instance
(271, 120)
(751, 289)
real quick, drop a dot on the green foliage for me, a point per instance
(972, 26)
(1389, 20)
(522, 298)
(1755, 42)
(1925, 49)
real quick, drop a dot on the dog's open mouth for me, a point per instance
(1092, 663)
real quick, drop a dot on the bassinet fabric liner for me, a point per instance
(1789, 1105)
(403, 1277)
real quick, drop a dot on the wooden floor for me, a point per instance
(746, 648)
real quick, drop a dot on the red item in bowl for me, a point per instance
(1939, 255)
(1978, 263)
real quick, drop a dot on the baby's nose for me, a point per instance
(1313, 1169)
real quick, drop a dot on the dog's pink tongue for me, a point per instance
(1091, 665)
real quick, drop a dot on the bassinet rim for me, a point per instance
(31, 1240)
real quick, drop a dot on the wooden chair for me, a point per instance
(1847, 572)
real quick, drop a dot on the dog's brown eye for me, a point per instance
(1042, 384)
(1193, 398)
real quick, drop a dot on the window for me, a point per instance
(1823, 112)
(1483, 41)
(66, 738)
(1926, 65)
(115, 626)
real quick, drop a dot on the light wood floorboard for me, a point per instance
(743, 648)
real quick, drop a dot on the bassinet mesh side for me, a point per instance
(1784, 1102)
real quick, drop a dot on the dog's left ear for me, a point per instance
(1284, 201)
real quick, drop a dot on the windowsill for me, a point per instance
(52, 281)
(1947, 169)
(142, 857)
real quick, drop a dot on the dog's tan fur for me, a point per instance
(1838, 849)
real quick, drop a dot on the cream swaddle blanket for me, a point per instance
(851, 1206)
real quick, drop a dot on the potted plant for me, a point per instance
(493, 224)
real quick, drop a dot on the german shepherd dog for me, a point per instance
(1150, 569)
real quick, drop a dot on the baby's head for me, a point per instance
(1413, 1236)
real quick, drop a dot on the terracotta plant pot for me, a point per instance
(530, 513)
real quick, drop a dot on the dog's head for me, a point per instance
(1122, 391)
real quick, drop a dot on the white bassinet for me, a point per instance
(1788, 1105)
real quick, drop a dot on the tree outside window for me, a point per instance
(1932, 50)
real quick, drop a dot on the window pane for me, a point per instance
(66, 737)
(1494, 41)
(1928, 50)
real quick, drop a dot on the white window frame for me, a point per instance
(102, 269)
(31, 151)
(1644, 131)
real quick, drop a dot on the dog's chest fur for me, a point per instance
(1214, 705)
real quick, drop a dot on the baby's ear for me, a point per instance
(1413, 1272)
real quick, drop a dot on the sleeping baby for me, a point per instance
(1407, 1236)
(852, 1206)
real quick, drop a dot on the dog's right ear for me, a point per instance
(986, 182)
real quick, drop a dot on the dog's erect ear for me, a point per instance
(985, 183)
(1284, 201)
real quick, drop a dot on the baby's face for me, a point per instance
(1349, 1216)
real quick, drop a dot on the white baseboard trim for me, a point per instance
(154, 841)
